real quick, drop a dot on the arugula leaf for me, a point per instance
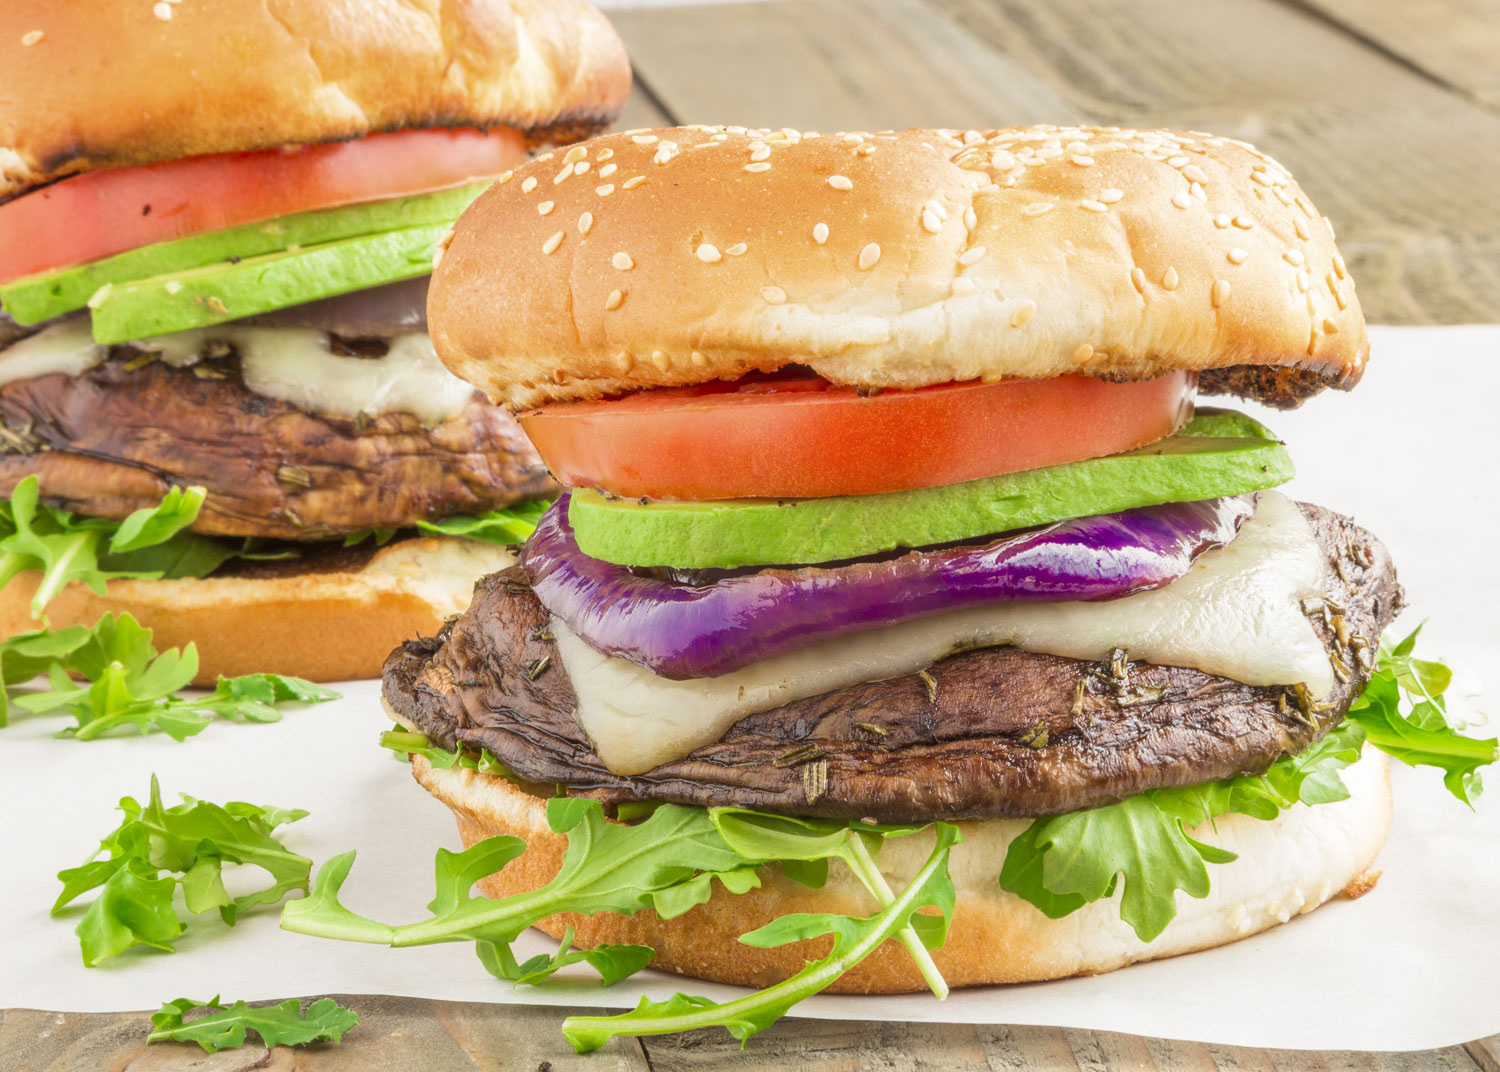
(612, 962)
(277, 1025)
(853, 940)
(193, 840)
(1063, 862)
(607, 867)
(506, 526)
(1423, 735)
(128, 683)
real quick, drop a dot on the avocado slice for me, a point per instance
(1219, 452)
(39, 297)
(221, 292)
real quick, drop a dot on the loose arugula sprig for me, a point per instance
(126, 682)
(1061, 863)
(277, 1025)
(91, 550)
(191, 842)
(507, 526)
(853, 939)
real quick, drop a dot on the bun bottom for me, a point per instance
(1286, 867)
(319, 626)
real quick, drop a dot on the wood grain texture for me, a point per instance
(1485, 1053)
(1403, 165)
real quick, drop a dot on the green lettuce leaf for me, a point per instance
(853, 940)
(506, 526)
(191, 841)
(277, 1025)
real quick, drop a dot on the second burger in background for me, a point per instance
(216, 227)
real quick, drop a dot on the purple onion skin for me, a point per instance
(683, 631)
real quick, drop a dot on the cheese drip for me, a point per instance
(1236, 613)
(291, 364)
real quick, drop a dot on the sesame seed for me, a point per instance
(774, 295)
(563, 174)
(605, 154)
(1220, 292)
(1138, 280)
(550, 246)
(31, 38)
(1196, 189)
(1037, 208)
(869, 256)
(1181, 200)
(1023, 313)
(1237, 255)
(632, 183)
(971, 256)
(930, 223)
(503, 179)
(1338, 296)
(528, 184)
(864, 150)
(963, 285)
(163, 11)
(1194, 173)
(760, 151)
(623, 361)
(580, 167)
(698, 359)
(1302, 281)
(663, 154)
(1177, 161)
(1093, 206)
(1169, 279)
(1330, 327)
(622, 261)
(1083, 353)
(644, 139)
(1294, 257)
(585, 223)
(709, 254)
(1111, 195)
(1221, 221)
(1301, 229)
(1244, 223)
(605, 190)
(544, 208)
(661, 360)
(737, 250)
(614, 301)
(757, 167)
(607, 170)
(1261, 177)
(1003, 160)
(1339, 267)
(1081, 160)
(575, 154)
(971, 220)
(820, 233)
(839, 182)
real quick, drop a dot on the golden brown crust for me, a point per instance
(319, 626)
(894, 260)
(99, 83)
(995, 937)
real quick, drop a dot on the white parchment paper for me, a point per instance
(1412, 455)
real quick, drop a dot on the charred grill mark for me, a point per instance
(1000, 733)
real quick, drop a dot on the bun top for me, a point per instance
(88, 84)
(672, 257)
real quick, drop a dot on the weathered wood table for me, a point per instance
(1388, 112)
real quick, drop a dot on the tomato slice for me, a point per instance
(802, 437)
(102, 213)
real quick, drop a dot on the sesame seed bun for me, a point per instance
(677, 256)
(1286, 867)
(102, 83)
(323, 626)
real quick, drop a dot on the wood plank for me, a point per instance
(1485, 1053)
(1403, 166)
(831, 1045)
(1454, 42)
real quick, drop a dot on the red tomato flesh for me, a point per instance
(803, 437)
(102, 213)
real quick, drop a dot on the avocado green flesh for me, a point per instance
(40, 297)
(212, 295)
(1219, 452)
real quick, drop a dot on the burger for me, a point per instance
(220, 409)
(893, 525)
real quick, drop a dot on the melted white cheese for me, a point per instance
(1235, 613)
(441, 569)
(292, 364)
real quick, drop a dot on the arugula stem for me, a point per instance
(54, 579)
(868, 872)
(764, 1006)
(511, 916)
